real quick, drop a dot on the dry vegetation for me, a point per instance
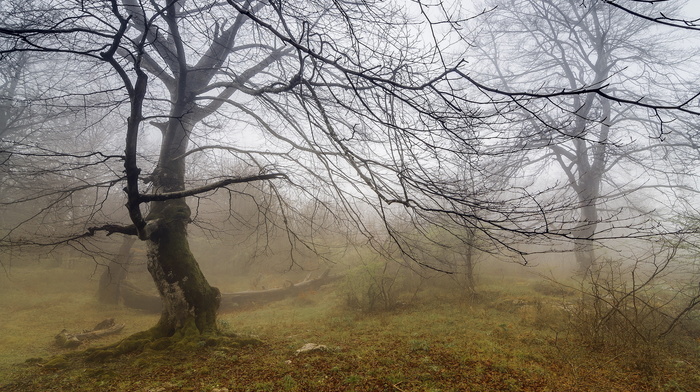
(518, 334)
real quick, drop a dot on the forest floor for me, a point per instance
(514, 337)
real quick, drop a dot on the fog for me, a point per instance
(349, 196)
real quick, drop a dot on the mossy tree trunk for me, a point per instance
(187, 296)
(186, 73)
(185, 292)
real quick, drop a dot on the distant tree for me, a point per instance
(109, 289)
(42, 115)
(546, 47)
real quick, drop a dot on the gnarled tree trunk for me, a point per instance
(186, 295)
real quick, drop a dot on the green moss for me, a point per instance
(188, 331)
(160, 344)
(172, 210)
(133, 343)
(177, 266)
(186, 339)
(57, 362)
(100, 355)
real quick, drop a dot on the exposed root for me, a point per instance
(150, 342)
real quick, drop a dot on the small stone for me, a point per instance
(308, 347)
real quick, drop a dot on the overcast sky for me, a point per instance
(693, 9)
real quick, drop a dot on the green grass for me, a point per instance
(513, 338)
(37, 303)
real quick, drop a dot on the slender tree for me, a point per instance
(543, 46)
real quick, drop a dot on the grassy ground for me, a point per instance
(513, 338)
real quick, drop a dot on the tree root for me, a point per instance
(187, 339)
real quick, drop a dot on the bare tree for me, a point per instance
(545, 46)
(304, 94)
(346, 105)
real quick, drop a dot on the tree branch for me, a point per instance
(210, 187)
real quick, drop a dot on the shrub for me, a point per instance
(630, 305)
(380, 286)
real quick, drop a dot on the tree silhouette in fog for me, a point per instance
(305, 98)
(582, 141)
(344, 114)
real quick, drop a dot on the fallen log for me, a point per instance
(135, 298)
(104, 328)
